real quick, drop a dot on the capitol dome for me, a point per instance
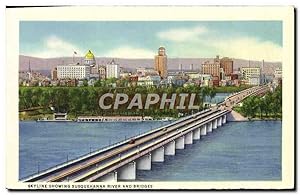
(89, 59)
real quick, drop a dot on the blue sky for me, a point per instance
(239, 39)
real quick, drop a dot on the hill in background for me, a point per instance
(44, 65)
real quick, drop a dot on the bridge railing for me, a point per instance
(157, 145)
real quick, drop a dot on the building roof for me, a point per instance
(89, 55)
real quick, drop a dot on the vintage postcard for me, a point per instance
(150, 98)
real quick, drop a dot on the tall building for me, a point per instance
(112, 70)
(212, 69)
(161, 63)
(227, 65)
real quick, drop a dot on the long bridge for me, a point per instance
(121, 161)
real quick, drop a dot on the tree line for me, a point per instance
(267, 106)
(85, 100)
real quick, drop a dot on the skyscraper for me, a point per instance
(161, 63)
(227, 65)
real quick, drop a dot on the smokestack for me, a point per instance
(192, 67)
(180, 67)
(263, 64)
(29, 68)
(249, 64)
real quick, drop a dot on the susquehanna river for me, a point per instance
(235, 151)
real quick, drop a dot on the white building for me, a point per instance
(193, 75)
(206, 79)
(73, 71)
(77, 71)
(149, 81)
(250, 71)
(254, 80)
(112, 70)
(277, 76)
(251, 75)
(278, 73)
(141, 71)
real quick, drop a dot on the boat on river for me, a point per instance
(57, 117)
(113, 119)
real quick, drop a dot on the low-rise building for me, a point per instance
(54, 74)
(193, 75)
(278, 76)
(254, 80)
(149, 81)
(142, 71)
(102, 72)
(215, 81)
(125, 74)
(206, 80)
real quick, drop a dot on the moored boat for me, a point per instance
(57, 117)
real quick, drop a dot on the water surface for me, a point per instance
(235, 151)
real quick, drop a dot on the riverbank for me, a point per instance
(259, 116)
(28, 116)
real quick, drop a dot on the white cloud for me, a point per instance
(199, 41)
(130, 52)
(182, 34)
(56, 47)
(248, 48)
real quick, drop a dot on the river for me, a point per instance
(235, 151)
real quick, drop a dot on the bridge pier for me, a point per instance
(196, 134)
(170, 148)
(158, 155)
(220, 121)
(215, 124)
(209, 127)
(127, 172)
(144, 162)
(188, 138)
(110, 177)
(224, 119)
(203, 130)
(179, 143)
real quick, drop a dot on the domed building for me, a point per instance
(89, 59)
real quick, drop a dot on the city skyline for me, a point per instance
(245, 40)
